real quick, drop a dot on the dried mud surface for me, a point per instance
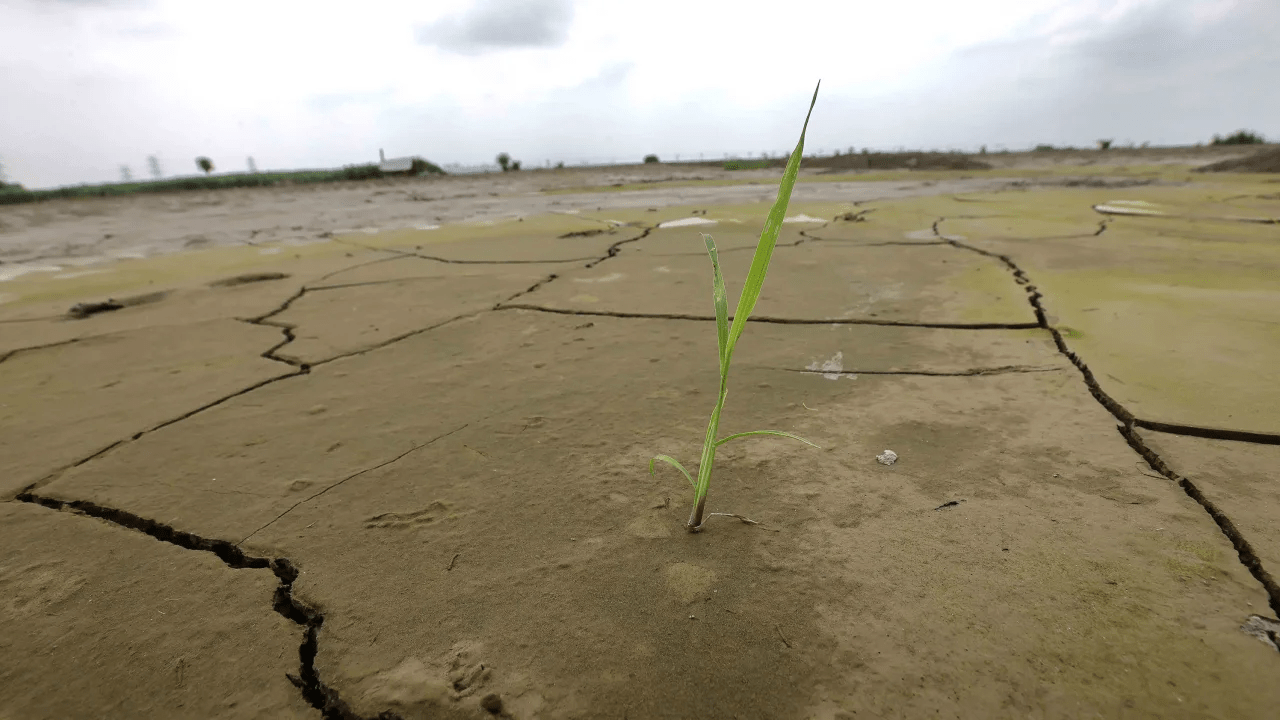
(403, 473)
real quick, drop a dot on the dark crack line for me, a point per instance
(498, 262)
(419, 331)
(32, 348)
(768, 319)
(1020, 277)
(313, 690)
(279, 308)
(366, 283)
(726, 251)
(531, 289)
(398, 338)
(1208, 432)
(1128, 428)
(380, 465)
(299, 368)
(138, 435)
(375, 261)
(886, 243)
(972, 372)
(397, 253)
(614, 249)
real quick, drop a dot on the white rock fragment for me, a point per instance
(888, 457)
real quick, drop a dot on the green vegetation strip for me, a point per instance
(11, 194)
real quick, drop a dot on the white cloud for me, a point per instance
(298, 83)
(501, 24)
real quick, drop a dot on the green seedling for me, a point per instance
(727, 335)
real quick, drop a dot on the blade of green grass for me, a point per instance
(720, 296)
(674, 463)
(724, 440)
(746, 303)
(768, 238)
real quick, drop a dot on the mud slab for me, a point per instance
(104, 621)
(405, 473)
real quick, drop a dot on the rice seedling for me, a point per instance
(727, 335)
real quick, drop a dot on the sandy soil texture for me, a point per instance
(381, 451)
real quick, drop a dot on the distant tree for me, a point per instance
(1239, 137)
(504, 161)
(560, 166)
(153, 163)
(1104, 144)
(253, 167)
(650, 159)
(205, 164)
(126, 175)
(515, 165)
(1044, 148)
(982, 150)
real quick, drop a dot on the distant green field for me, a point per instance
(13, 194)
(746, 164)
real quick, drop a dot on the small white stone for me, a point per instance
(888, 457)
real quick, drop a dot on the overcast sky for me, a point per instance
(89, 85)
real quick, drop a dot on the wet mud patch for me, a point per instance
(1155, 315)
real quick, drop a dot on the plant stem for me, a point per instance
(708, 456)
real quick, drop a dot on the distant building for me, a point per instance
(394, 165)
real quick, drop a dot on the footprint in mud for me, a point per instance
(418, 518)
(466, 676)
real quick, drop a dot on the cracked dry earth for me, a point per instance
(404, 474)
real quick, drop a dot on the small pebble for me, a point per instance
(888, 457)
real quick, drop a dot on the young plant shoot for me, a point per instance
(727, 335)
